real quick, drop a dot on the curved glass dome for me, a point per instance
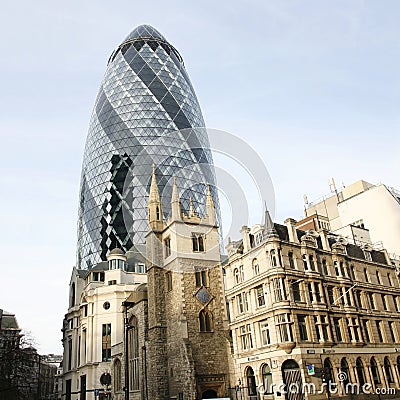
(146, 113)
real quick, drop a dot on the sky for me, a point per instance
(312, 86)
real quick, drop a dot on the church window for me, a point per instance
(201, 278)
(167, 247)
(205, 320)
(106, 342)
(168, 277)
(198, 242)
(133, 345)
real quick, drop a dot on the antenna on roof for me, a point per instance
(332, 185)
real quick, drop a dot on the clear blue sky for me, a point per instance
(312, 85)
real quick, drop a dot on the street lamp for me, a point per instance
(127, 305)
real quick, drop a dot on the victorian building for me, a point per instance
(308, 306)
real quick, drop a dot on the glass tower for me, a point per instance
(146, 113)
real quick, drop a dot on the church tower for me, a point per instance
(188, 354)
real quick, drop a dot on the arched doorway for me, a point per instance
(251, 382)
(374, 371)
(209, 394)
(291, 375)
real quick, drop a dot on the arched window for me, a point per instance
(374, 371)
(256, 268)
(236, 275)
(273, 258)
(117, 375)
(251, 382)
(157, 213)
(328, 370)
(291, 260)
(72, 295)
(205, 321)
(388, 370)
(133, 344)
(267, 379)
(378, 277)
(305, 262)
(360, 371)
(335, 265)
(344, 368)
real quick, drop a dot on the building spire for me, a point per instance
(154, 205)
(210, 206)
(175, 203)
(269, 227)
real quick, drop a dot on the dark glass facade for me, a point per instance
(146, 113)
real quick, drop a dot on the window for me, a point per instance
(256, 267)
(352, 273)
(240, 304)
(374, 371)
(305, 263)
(284, 327)
(98, 276)
(116, 264)
(140, 268)
(106, 342)
(312, 264)
(198, 242)
(69, 361)
(236, 275)
(392, 330)
(360, 371)
(246, 301)
(324, 267)
(366, 276)
(310, 292)
(133, 349)
(291, 260)
(251, 382)
(296, 291)
(396, 304)
(338, 330)
(335, 265)
(201, 278)
(279, 289)
(317, 292)
(301, 319)
(273, 258)
(260, 295)
(388, 370)
(379, 327)
(344, 368)
(357, 298)
(167, 247)
(353, 327)
(168, 279)
(389, 279)
(321, 327)
(245, 337)
(267, 379)
(371, 301)
(117, 375)
(72, 296)
(378, 277)
(330, 295)
(385, 307)
(365, 325)
(264, 332)
(367, 255)
(241, 273)
(113, 282)
(205, 321)
(342, 269)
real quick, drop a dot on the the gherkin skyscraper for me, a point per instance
(146, 113)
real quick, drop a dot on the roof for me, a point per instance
(8, 320)
(116, 252)
(145, 32)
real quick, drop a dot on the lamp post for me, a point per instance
(127, 305)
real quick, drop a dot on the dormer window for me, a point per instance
(116, 264)
(98, 276)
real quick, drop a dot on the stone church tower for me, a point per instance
(188, 356)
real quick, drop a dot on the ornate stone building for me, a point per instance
(308, 307)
